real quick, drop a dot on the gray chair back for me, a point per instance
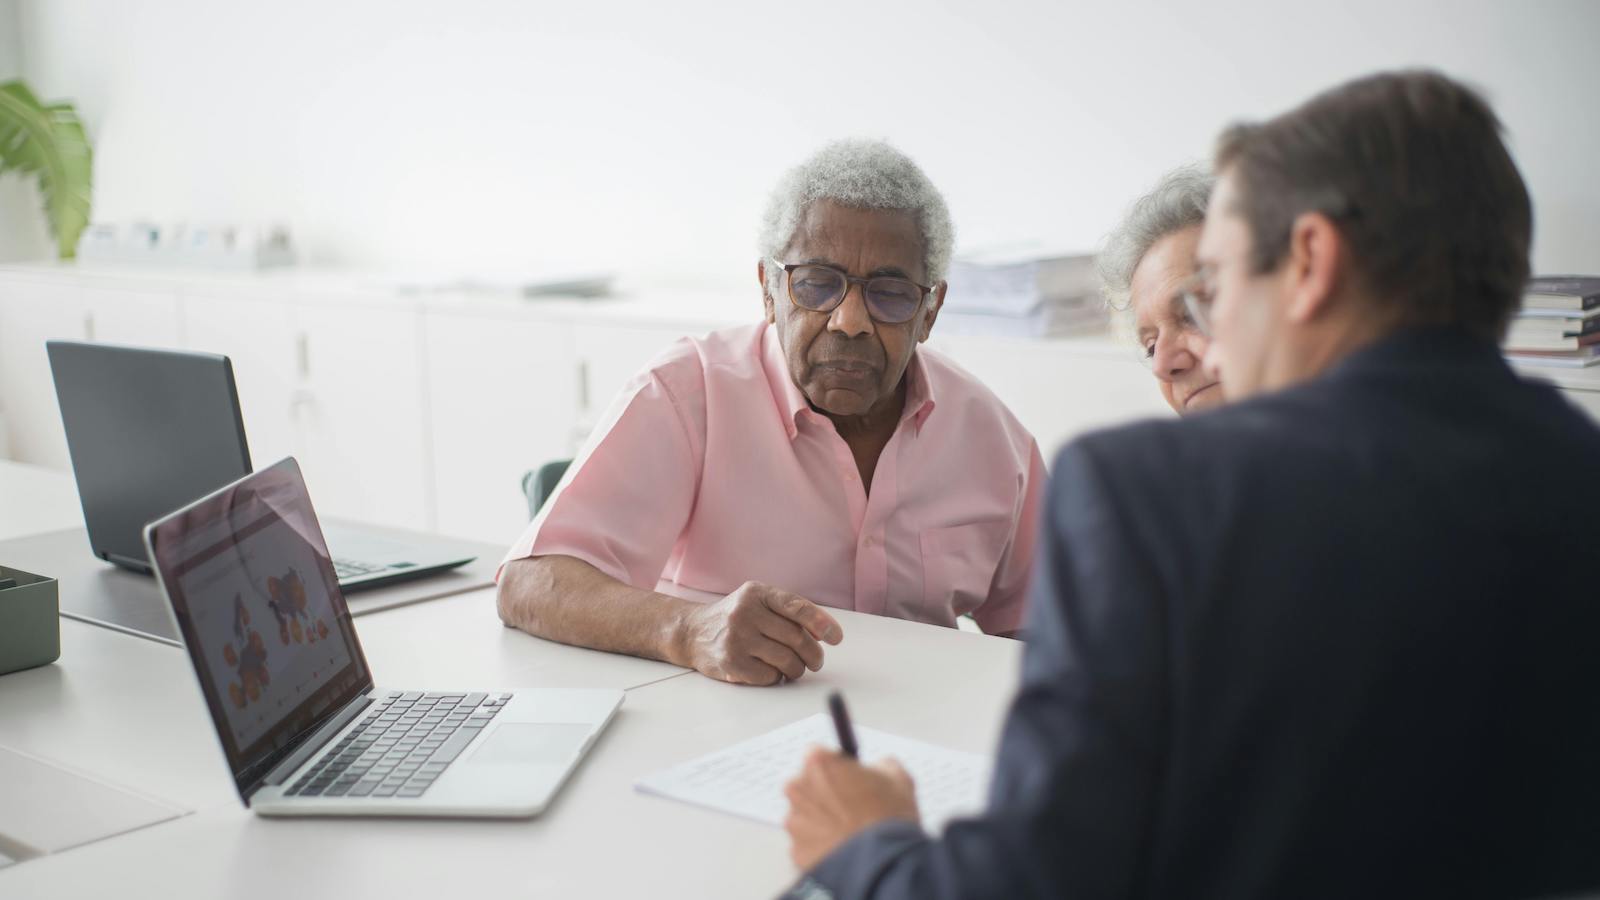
(538, 484)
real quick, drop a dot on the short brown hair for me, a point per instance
(1412, 169)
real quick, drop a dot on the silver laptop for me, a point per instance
(304, 729)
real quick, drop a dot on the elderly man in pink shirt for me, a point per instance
(747, 480)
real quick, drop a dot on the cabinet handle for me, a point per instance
(302, 346)
(299, 399)
(583, 386)
(88, 326)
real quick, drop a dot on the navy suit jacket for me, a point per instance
(1339, 641)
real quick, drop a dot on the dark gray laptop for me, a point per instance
(151, 431)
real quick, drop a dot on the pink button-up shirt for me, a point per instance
(711, 469)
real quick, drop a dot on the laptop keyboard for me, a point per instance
(349, 568)
(400, 747)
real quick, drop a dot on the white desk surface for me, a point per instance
(600, 838)
(128, 711)
(122, 709)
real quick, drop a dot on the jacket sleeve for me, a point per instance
(1078, 770)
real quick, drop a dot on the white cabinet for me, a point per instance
(144, 318)
(504, 397)
(34, 311)
(336, 385)
(508, 393)
(259, 338)
(31, 314)
(425, 412)
(609, 354)
(360, 422)
(1059, 389)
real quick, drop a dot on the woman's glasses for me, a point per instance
(1177, 318)
(1198, 295)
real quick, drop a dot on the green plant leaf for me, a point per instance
(49, 143)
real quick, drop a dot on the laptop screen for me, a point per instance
(255, 596)
(149, 431)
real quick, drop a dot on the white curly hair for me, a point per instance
(865, 174)
(1178, 201)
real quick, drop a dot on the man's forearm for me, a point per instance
(565, 599)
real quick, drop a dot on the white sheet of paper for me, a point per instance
(747, 778)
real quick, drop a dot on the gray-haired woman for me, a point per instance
(1146, 263)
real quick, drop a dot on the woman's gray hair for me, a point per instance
(1178, 201)
(864, 174)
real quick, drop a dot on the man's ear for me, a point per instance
(1317, 254)
(766, 295)
(931, 312)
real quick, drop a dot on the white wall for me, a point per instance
(644, 135)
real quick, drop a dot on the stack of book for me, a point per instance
(1559, 324)
(1023, 292)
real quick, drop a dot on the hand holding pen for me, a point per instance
(836, 796)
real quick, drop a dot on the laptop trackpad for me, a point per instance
(533, 742)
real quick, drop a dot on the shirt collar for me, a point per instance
(919, 390)
(791, 402)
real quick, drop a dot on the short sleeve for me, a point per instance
(1006, 608)
(628, 495)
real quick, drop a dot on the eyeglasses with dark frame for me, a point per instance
(890, 299)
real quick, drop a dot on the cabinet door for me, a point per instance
(32, 312)
(260, 339)
(609, 355)
(503, 398)
(1059, 389)
(136, 317)
(360, 423)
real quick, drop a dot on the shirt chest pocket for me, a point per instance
(959, 562)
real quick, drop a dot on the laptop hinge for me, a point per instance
(319, 738)
(129, 562)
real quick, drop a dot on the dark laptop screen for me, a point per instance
(149, 431)
(256, 599)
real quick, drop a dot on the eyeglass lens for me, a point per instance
(820, 288)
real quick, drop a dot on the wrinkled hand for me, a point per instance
(835, 796)
(758, 635)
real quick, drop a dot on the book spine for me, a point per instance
(1550, 329)
(1548, 298)
(1576, 285)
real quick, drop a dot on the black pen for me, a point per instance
(841, 724)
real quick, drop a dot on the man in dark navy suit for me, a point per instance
(1340, 638)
